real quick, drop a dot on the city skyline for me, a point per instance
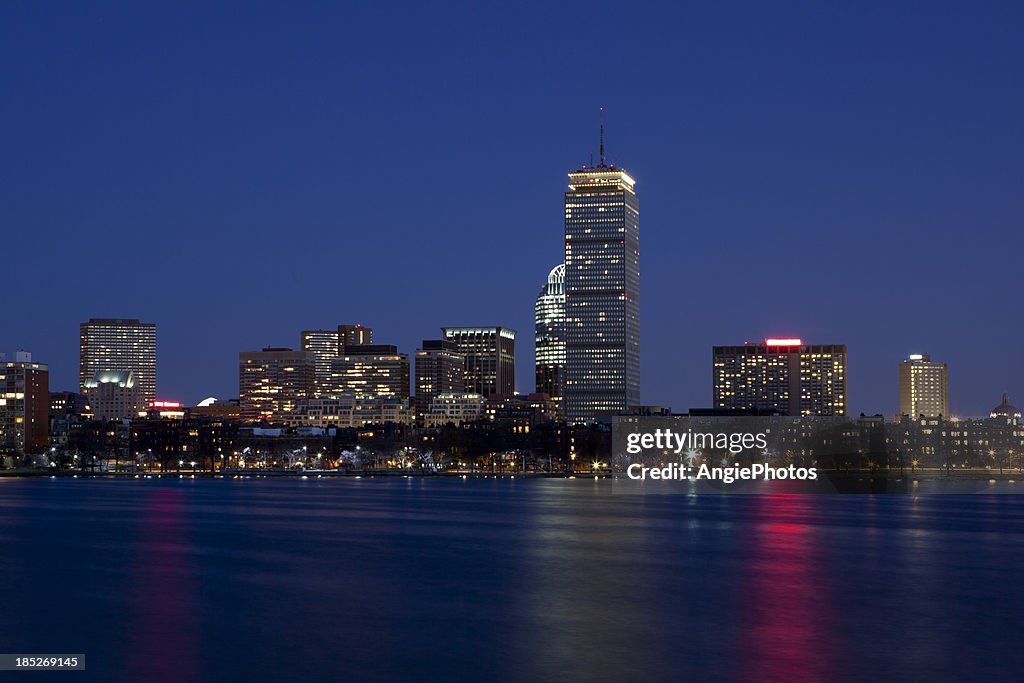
(760, 171)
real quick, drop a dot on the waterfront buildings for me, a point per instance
(24, 407)
(602, 290)
(924, 386)
(122, 345)
(454, 408)
(370, 371)
(349, 412)
(490, 358)
(271, 381)
(780, 375)
(549, 319)
(114, 395)
(440, 369)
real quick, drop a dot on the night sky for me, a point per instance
(236, 174)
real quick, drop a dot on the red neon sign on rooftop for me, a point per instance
(783, 342)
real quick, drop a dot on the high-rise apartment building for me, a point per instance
(370, 371)
(24, 407)
(490, 358)
(440, 369)
(271, 381)
(602, 290)
(924, 387)
(118, 345)
(780, 375)
(323, 346)
(549, 318)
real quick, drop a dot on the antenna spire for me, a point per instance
(602, 136)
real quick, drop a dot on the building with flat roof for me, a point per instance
(489, 354)
(370, 371)
(780, 375)
(924, 386)
(24, 407)
(271, 381)
(118, 345)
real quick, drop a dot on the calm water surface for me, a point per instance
(497, 580)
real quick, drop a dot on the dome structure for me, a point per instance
(1004, 409)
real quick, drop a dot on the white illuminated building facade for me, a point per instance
(549, 317)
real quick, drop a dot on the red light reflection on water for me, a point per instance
(787, 620)
(163, 638)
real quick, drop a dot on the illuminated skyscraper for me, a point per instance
(549, 316)
(490, 358)
(602, 292)
(370, 371)
(272, 381)
(440, 369)
(924, 387)
(323, 346)
(118, 345)
(781, 375)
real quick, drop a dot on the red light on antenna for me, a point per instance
(783, 342)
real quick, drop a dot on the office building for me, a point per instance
(323, 346)
(122, 345)
(549, 317)
(24, 407)
(490, 358)
(370, 371)
(602, 290)
(783, 376)
(271, 381)
(440, 369)
(924, 387)
(353, 335)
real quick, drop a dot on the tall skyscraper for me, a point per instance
(549, 317)
(118, 345)
(440, 369)
(924, 387)
(353, 335)
(490, 358)
(781, 375)
(602, 292)
(272, 381)
(370, 371)
(323, 346)
(24, 407)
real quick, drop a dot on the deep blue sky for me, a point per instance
(236, 174)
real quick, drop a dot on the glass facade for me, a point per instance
(602, 293)
(549, 317)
